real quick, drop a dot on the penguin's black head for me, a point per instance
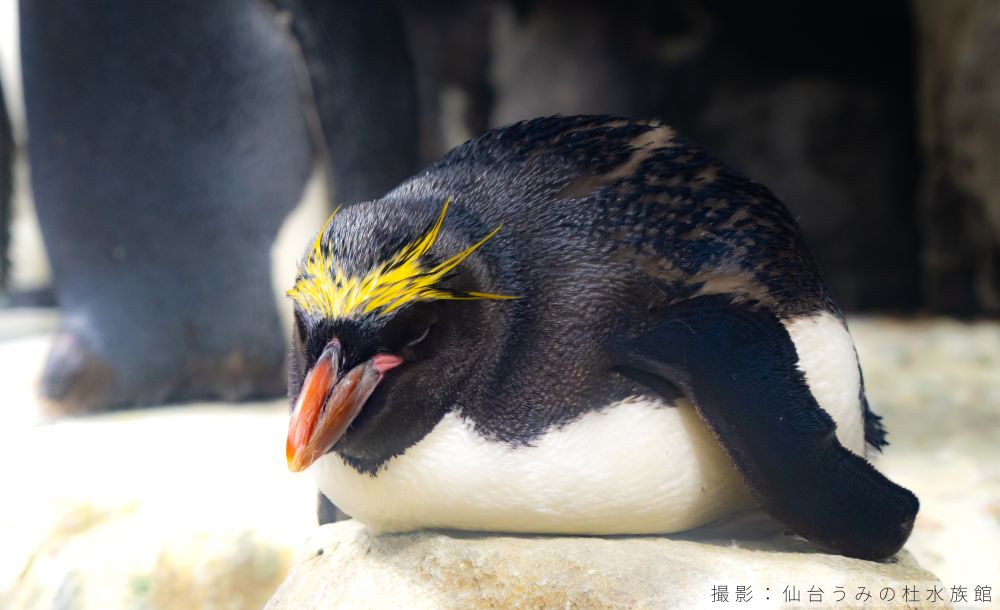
(390, 320)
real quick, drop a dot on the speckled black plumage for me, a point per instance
(634, 193)
(612, 219)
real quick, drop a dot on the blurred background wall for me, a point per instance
(877, 123)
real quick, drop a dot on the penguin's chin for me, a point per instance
(328, 403)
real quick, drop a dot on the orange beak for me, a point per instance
(326, 405)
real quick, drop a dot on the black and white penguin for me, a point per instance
(582, 325)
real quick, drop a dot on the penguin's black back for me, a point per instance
(634, 200)
(605, 224)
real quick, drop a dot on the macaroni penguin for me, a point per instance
(582, 325)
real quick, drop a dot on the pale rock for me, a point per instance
(174, 508)
(343, 566)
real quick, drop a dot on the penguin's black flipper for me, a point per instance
(737, 364)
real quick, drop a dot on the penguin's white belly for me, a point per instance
(638, 466)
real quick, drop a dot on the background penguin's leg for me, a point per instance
(168, 143)
(6, 190)
(362, 82)
(737, 364)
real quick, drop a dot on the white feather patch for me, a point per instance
(638, 466)
(827, 358)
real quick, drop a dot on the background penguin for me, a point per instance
(582, 325)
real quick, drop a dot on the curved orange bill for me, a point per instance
(325, 408)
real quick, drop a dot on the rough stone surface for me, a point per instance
(342, 566)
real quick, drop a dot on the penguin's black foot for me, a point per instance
(85, 374)
(327, 512)
(76, 380)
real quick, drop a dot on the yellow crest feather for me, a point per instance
(324, 289)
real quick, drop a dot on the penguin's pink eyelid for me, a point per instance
(385, 362)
